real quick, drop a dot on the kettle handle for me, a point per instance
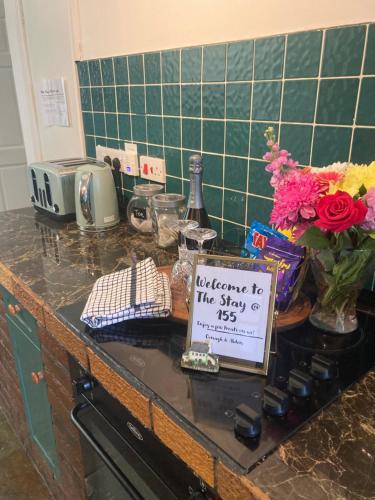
(85, 195)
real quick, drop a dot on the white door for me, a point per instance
(13, 187)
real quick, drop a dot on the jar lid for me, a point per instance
(147, 189)
(168, 200)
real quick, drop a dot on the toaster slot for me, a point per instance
(35, 185)
(48, 189)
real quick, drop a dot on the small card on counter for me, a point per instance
(232, 306)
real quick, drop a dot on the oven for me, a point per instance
(122, 459)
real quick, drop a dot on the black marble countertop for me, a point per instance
(331, 457)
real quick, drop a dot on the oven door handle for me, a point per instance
(101, 452)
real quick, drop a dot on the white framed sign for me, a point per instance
(231, 306)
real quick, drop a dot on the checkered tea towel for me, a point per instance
(137, 292)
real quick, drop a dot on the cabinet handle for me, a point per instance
(37, 377)
(13, 309)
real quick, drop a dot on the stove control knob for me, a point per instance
(322, 368)
(248, 422)
(300, 383)
(275, 402)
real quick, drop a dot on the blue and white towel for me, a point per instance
(139, 291)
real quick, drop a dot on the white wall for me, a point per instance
(114, 27)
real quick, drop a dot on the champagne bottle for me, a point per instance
(195, 206)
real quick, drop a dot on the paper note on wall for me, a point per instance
(53, 103)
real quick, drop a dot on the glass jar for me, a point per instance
(139, 207)
(166, 209)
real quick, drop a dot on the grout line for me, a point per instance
(144, 94)
(225, 135)
(181, 159)
(317, 93)
(358, 93)
(130, 107)
(105, 121)
(282, 88)
(250, 135)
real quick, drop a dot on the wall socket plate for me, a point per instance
(128, 159)
(152, 168)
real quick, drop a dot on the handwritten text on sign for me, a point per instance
(231, 311)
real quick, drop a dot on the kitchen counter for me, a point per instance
(51, 267)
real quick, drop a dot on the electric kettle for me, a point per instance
(95, 197)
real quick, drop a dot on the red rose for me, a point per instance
(336, 212)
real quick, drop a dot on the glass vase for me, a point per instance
(339, 276)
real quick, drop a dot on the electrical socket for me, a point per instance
(128, 159)
(152, 169)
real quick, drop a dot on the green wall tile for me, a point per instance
(191, 133)
(171, 100)
(369, 68)
(213, 169)
(137, 100)
(109, 99)
(213, 200)
(299, 101)
(258, 145)
(303, 54)
(266, 100)
(83, 73)
(90, 146)
(142, 150)
(88, 123)
(171, 66)
(113, 143)
(213, 136)
(216, 225)
(111, 124)
(135, 63)
(95, 73)
(235, 173)
(97, 99)
(156, 151)
(85, 99)
(107, 71)
(343, 51)
(240, 60)
(337, 100)
(154, 129)
(331, 144)
(213, 101)
(121, 70)
(191, 63)
(191, 100)
(269, 57)
(139, 128)
(173, 185)
(172, 132)
(234, 233)
(214, 63)
(153, 100)
(366, 108)
(259, 179)
(363, 145)
(234, 206)
(173, 161)
(124, 127)
(152, 67)
(297, 140)
(237, 138)
(99, 124)
(122, 94)
(259, 209)
(238, 100)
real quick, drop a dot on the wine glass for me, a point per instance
(200, 235)
(182, 268)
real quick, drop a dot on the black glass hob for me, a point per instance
(309, 371)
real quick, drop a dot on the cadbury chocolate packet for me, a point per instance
(290, 258)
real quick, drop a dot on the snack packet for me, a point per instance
(290, 258)
(257, 237)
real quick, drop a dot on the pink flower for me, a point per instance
(295, 200)
(325, 178)
(280, 164)
(369, 199)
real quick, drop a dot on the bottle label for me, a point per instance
(140, 213)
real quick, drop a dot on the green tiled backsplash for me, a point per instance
(317, 89)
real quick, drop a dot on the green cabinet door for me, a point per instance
(35, 395)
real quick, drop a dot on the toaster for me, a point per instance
(51, 186)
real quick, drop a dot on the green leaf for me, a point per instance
(362, 190)
(313, 237)
(368, 244)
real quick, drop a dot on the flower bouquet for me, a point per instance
(330, 211)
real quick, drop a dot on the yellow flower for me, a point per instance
(355, 177)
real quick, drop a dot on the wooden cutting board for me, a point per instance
(296, 315)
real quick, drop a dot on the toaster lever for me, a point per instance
(85, 195)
